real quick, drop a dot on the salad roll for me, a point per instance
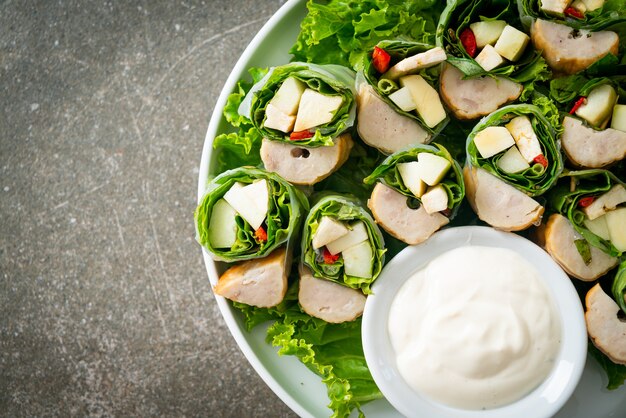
(512, 156)
(489, 56)
(305, 103)
(305, 165)
(594, 127)
(342, 243)
(594, 201)
(398, 105)
(248, 213)
(571, 35)
(328, 300)
(417, 192)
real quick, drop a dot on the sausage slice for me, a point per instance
(409, 225)
(586, 147)
(606, 330)
(261, 282)
(328, 300)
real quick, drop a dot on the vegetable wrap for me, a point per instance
(417, 192)
(477, 34)
(594, 201)
(342, 243)
(305, 103)
(603, 15)
(517, 144)
(594, 121)
(247, 213)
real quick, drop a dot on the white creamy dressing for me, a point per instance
(476, 328)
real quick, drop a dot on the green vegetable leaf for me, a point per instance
(615, 372)
(619, 287)
(582, 246)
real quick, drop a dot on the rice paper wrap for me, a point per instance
(286, 209)
(565, 199)
(399, 50)
(329, 79)
(535, 180)
(349, 210)
(610, 14)
(457, 17)
(388, 174)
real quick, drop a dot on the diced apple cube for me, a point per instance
(403, 99)
(606, 202)
(276, 119)
(512, 43)
(432, 168)
(328, 230)
(222, 225)
(487, 32)
(426, 99)
(593, 4)
(618, 120)
(598, 226)
(316, 109)
(598, 106)
(409, 173)
(356, 235)
(435, 199)
(287, 97)
(251, 202)
(489, 58)
(616, 223)
(493, 140)
(357, 260)
(554, 7)
(512, 161)
(521, 130)
(579, 5)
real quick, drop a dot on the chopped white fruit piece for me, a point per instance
(598, 226)
(525, 138)
(426, 99)
(488, 32)
(579, 5)
(287, 97)
(315, 109)
(512, 43)
(606, 202)
(328, 230)
(357, 234)
(598, 106)
(492, 140)
(416, 62)
(489, 58)
(593, 4)
(251, 202)
(403, 99)
(409, 172)
(512, 161)
(554, 7)
(275, 119)
(432, 168)
(357, 260)
(435, 199)
(618, 120)
(222, 225)
(616, 223)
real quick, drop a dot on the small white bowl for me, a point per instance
(546, 399)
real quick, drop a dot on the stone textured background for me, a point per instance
(105, 307)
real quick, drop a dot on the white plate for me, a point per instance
(296, 385)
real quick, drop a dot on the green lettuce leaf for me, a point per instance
(344, 209)
(459, 14)
(619, 287)
(388, 174)
(341, 32)
(535, 180)
(286, 208)
(329, 80)
(615, 372)
(573, 186)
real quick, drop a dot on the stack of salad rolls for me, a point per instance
(520, 106)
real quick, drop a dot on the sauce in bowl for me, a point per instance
(476, 328)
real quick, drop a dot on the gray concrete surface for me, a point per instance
(105, 307)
